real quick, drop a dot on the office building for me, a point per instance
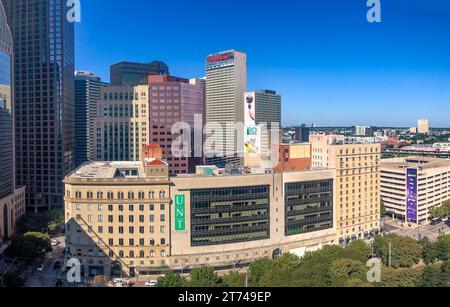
(226, 84)
(423, 126)
(122, 123)
(302, 134)
(175, 100)
(133, 74)
(363, 131)
(12, 199)
(412, 186)
(87, 95)
(132, 218)
(357, 166)
(43, 42)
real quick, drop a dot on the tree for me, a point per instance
(442, 248)
(234, 280)
(343, 270)
(431, 276)
(405, 251)
(405, 278)
(30, 246)
(428, 251)
(358, 250)
(55, 221)
(441, 211)
(258, 268)
(170, 280)
(204, 277)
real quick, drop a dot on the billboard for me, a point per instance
(180, 213)
(252, 137)
(411, 194)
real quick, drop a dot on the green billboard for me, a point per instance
(180, 213)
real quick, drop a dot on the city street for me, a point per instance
(430, 231)
(48, 276)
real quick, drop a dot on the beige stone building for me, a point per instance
(430, 186)
(130, 218)
(122, 123)
(117, 216)
(357, 188)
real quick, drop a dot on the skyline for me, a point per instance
(345, 71)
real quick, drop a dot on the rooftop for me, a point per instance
(421, 162)
(114, 170)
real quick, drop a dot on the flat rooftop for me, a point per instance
(109, 170)
(422, 162)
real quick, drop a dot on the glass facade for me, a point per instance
(230, 215)
(309, 206)
(44, 97)
(6, 128)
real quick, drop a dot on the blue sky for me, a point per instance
(331, 66)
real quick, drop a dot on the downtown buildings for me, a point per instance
(132, 218)
(357, 166)
(43, 83)
(412, 186)
(132, 74)
(226, 84)
(12, 199)
(87, 95)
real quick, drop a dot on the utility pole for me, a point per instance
(246, 281)
(390, 254)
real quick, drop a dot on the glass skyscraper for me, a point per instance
(87, 95)
(44, 97)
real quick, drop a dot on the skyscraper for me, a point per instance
(174, 100)
(44, 97)
(226, 83)
(12, 200)
(423, 126)
(87, 95)
(133, 74)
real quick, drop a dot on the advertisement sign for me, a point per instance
(411, 194)
(252, 137)
(180, 213)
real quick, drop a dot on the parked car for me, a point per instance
(151, 283)
(55, 242)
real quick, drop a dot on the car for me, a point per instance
(151, 283)
(40, 268)
(57, 265)
(55, 242)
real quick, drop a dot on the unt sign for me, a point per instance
(411, 194)
(180, 213)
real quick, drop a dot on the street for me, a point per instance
(48, 276)
(430, 231)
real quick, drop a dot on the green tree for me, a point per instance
(30, 246)
(358, 250)
(442, 248)
(234, 280)
(258, 268)
(343, 270)
(405, 278)
(171, 280)
(431, 277)
(55, 221)
(406, 252)
(204, 277)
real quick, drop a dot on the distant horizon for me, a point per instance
(330, 65)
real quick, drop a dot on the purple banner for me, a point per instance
(411, 194)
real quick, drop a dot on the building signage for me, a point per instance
(180, 213)
(252, 137)
(411, 194)
(221, 57)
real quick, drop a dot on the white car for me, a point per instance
(40, 268)
(151, 284)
